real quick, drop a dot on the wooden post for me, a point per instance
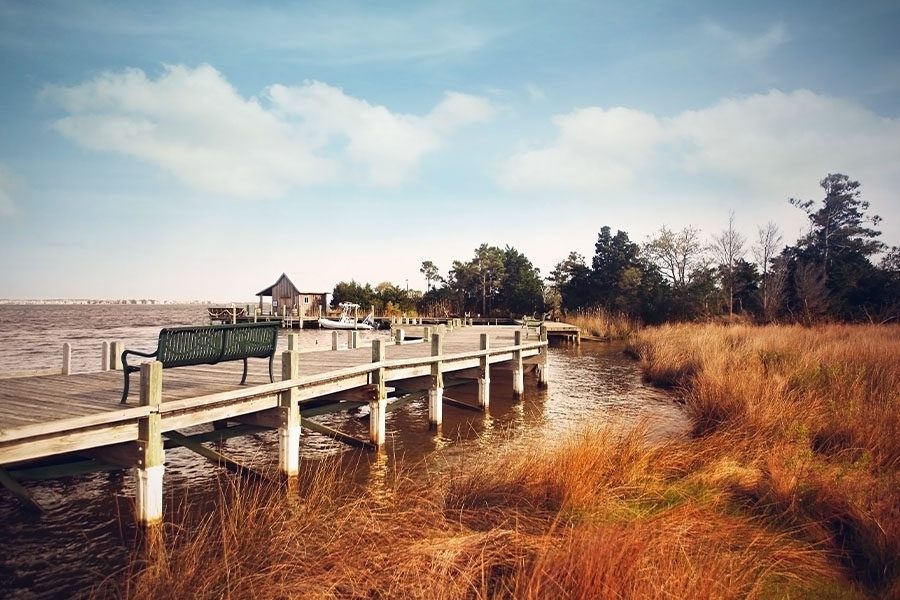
(543, 368)
(294, 341)
(352, 338)
(233, 314)
(67, 359)
(399, 336)
(436, 391)
(151, 459)
(115, 356)
(518, 373)
(378, 406)
(334, 340)
(484, 374)
(289, 412)
(426, 334)
(104, 356)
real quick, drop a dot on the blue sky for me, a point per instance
(197, 150)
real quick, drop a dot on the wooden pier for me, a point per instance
(79, 415)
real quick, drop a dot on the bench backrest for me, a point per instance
(183, 346)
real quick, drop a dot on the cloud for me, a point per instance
(595, 149)
(748, 47)
(7, 183)
(193, 124)
(771, 145)
(389, 145)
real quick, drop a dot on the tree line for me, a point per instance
(838, 270)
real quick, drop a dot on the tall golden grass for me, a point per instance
(604, 325)
(787, 489)
(815, 412)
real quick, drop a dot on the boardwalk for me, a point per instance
(80, 413)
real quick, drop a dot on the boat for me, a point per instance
(346, 321)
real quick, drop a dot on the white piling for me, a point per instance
(289, 409)
(436, 391)
(484, 374)
(518, 373)
(67, 359)
(378, 405)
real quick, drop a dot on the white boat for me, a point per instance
(346, 321)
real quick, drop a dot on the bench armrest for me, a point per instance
(136, 353)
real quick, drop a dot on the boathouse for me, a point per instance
(288, 299)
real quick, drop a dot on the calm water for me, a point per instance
(86, 533)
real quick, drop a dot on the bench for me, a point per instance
(533, 323)
(208, 345)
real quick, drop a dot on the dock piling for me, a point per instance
(151, 455)
(67, 359)
(294, 341)
(104, 356)
(436, 391)
(399, 336)
(378, 405)
(543, 367)
(484, 374)
(518, 373)
(334, 340)
(115, 356)
(289, 412)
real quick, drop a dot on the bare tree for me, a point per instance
(729, 248)
(676, 253)
(768, 243)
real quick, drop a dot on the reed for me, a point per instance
(816, 411)
(599, 323)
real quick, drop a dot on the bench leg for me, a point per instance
(244, 377)
(271, 377)
(125, 389)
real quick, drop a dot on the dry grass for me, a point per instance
(603, 325)
(817, 410)
(789, 489)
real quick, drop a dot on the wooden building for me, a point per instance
(288, 299)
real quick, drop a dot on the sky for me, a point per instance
(197, 150)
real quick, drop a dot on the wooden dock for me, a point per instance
(79, 415)
(564, 331)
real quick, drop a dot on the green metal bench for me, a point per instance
(208, 345)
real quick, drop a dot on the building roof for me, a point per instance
(297, 292)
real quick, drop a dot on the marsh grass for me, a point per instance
(787, 489)
(604, 325)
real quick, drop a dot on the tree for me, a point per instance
(840, 242)
(352, 292)
(622, 282)
(430, 271)
(572, 280)
(729, 247)
(488, 264)
(521, 291)
(838, 227)
(675, 253)
(768, 242)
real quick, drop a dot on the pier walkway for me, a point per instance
(80, 415)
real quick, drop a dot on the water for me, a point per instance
(86, 533)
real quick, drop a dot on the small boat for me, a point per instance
(346, 321)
